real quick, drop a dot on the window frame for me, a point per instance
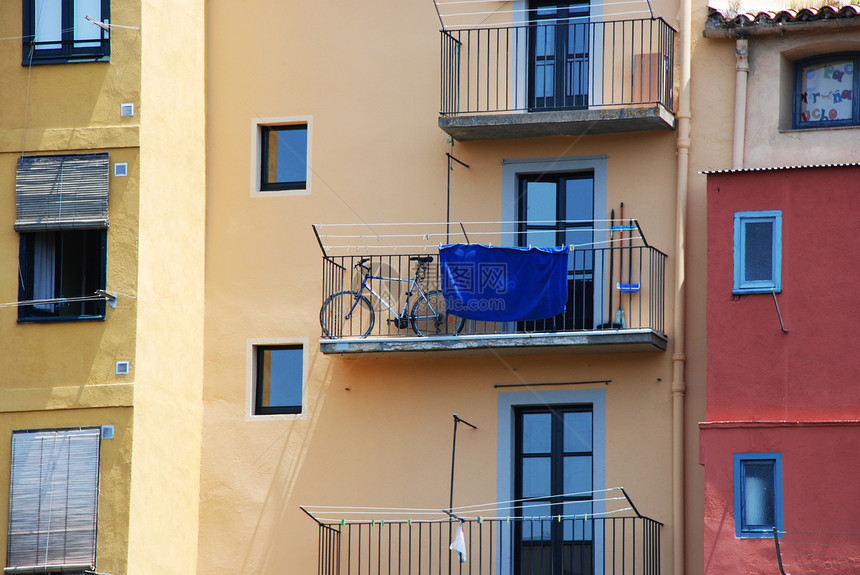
(742, 530)
(796, 122)
(255, 411)
(740, 285)
(68, 52)
(260, 128)
(26, 261)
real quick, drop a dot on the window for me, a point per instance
(554, 472)
(62, 218)
(825, 90)
(513, 447)
(61, 271)
(558, 210)
(758, 494)
(757, 252)
(278, 379)
(284, 157)
(558, 43)
(53, 500)
(58, 31)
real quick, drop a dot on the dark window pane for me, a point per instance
(758, 255)
(536, 432)
(577, 474)
(536, 476)
(758, 497)
(279, 379)
(577, 431)
(285, 157)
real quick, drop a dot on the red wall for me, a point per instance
(795, 393)
(821, 506)
(756, 372)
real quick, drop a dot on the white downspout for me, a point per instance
(679, 358)
(743, 68)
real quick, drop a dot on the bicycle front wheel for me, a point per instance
(346, 314)
(429, 317)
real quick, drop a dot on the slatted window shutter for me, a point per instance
(53, 505)
(62, 192)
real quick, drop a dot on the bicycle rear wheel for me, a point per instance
(346, 314)
(429, 317)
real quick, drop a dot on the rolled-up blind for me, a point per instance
(53, 504)
(62, 192)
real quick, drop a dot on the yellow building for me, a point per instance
(102, 123)
(347, 139)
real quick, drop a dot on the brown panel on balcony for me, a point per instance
(500, 126)
(614, 341)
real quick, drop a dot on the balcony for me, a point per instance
(618, 542)
(563, 78)
(615, 301)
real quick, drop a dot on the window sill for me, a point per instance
(61, 319)
(817, 129)
(64, 60)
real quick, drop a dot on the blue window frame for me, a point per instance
(757, 252)
(57, 31)
(284, 157)
(279, 379)
(758, 494)
(825, 91)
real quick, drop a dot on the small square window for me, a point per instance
(758, 494)
(278, 379)
(57, 31)
(284, 157)
(757, 252)
(60, 273)
(825, 92)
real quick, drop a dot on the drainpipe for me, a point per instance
(743, 69)
(679, 358)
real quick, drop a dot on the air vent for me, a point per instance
(122, 368)
(107, 431)
(126, 109)
(120, 170)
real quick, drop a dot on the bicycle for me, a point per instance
(427, 316)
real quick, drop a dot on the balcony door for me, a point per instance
(554, 478)
(557, 210)
(558, 55)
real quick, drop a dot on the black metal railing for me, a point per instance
(608, 289)
(557, 66)
(628, 545)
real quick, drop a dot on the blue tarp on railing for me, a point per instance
(494, 283)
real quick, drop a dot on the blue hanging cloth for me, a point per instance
(487, 283)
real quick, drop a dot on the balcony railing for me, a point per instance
(609, 289)
(603, 544)
(570, 65)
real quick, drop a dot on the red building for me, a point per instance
(781, 442)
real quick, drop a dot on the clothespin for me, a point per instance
(480, 519)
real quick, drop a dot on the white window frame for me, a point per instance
(251, 378)
(740, 285)
(257, 154)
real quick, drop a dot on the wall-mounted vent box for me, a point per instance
(122, 368)
(120, 169)
(126, 109)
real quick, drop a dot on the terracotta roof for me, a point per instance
(725, 23)
(779, 168)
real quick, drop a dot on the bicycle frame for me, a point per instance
(413, 283)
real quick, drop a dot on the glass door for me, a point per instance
(558, 62)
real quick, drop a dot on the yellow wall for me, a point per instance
(64, 374)
(378, 429)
